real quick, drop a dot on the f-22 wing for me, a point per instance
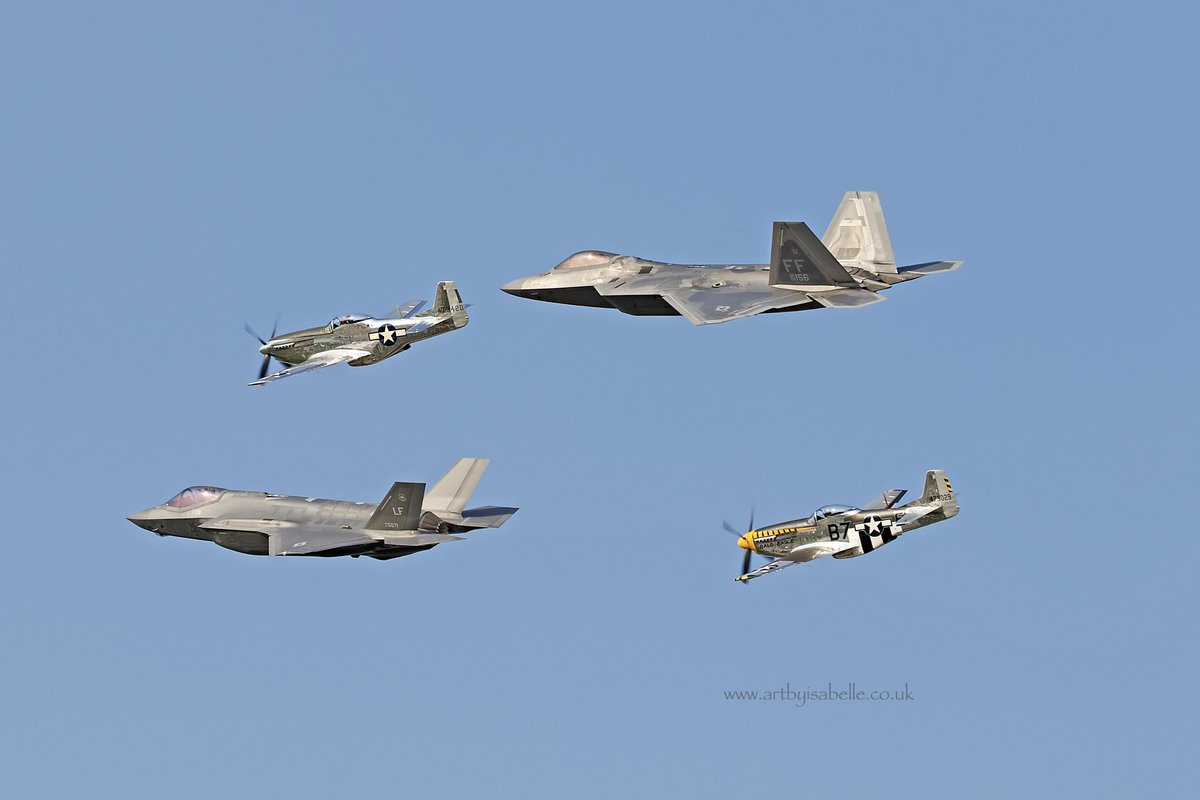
(705, 305)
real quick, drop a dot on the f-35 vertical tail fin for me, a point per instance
(454, 490)
(400, 509)
(858, 236)
(447, 301)
(447, 500)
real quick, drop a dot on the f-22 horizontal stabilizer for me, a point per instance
(846, 298)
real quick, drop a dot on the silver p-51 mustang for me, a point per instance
(361, 339)
(845, 531)
(846, 268)
(408, 520)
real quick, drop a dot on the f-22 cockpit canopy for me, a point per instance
(586, 258)
(194, 496)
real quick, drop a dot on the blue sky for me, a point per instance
(171, 171)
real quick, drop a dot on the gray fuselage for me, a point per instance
(337, 518)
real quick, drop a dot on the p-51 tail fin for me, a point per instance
(938, 492)
(447, 301)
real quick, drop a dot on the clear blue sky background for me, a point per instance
(170, 171)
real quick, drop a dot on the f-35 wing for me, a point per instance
(297, 539)
(324, 359)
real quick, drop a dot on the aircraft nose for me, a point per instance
(514, 287)
(745, 542)
(266, 348)
(143, 519)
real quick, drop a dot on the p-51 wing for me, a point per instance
(324, 359)
(800, 555)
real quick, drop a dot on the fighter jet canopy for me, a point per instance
(194, 496)
(586, 258)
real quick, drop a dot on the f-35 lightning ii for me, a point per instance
(846, 268)
(361, 339)
(408, 520)
(845, 531)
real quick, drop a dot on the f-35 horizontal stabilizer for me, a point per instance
(400, 509)
(799, 259)
(486, 516)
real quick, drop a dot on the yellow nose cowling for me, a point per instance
(745, 542)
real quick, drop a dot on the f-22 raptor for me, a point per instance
(361, 339)
(846, 268)
(845, 531)
(408, 520)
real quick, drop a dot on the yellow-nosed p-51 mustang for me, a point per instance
(846, 531)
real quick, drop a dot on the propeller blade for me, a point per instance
(250, 331)
(751, 526)
(730, 528)
(746, 563)
(266, 362)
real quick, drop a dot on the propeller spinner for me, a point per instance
(266, 362)
(744, 541)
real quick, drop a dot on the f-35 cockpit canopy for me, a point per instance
(194, 496)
